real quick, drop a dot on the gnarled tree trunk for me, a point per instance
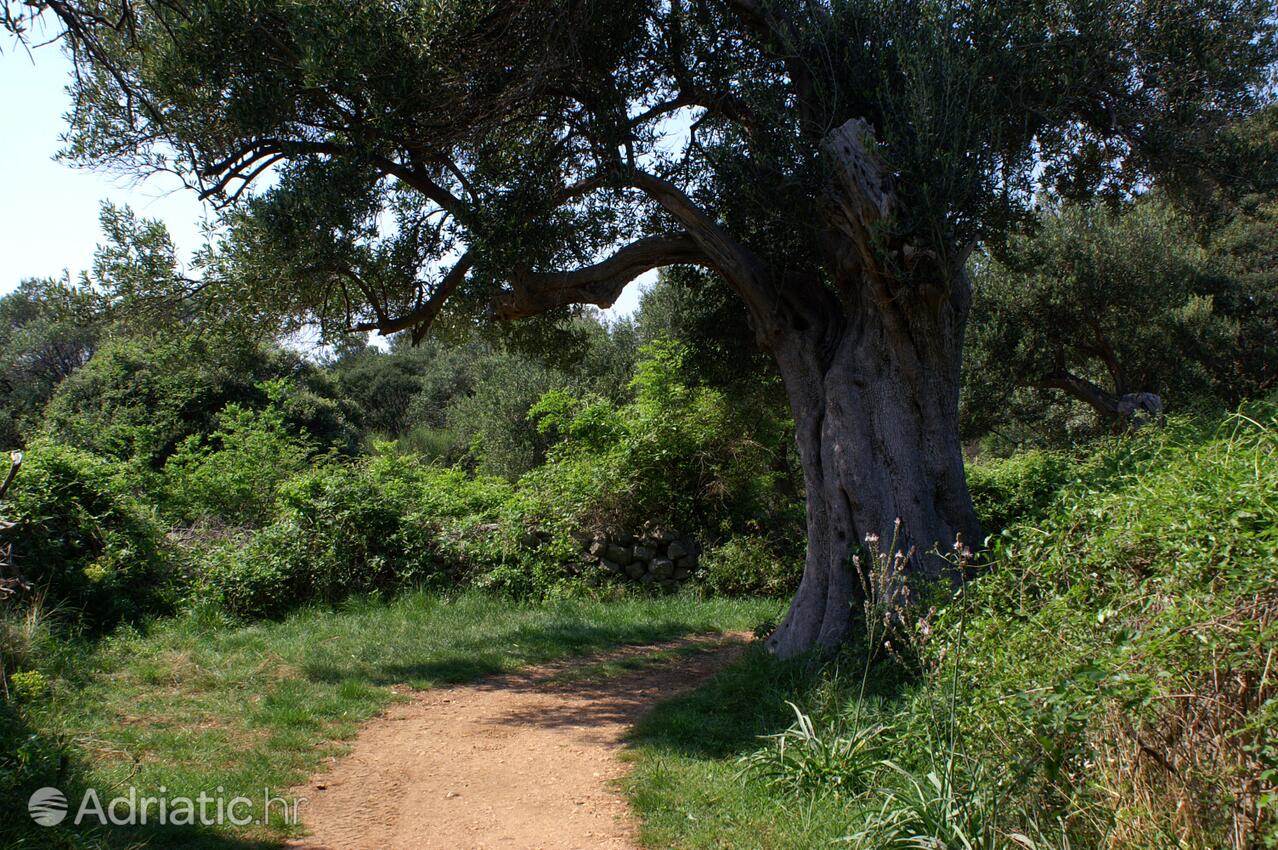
(877, 429)
(871, 363)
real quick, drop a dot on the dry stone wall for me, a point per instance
(654, 554)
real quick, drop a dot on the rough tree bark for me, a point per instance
(871, 366)
(874, 391)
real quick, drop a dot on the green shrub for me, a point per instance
(1017, 489)
(84, 542)
(677, 455)
(232, 475)
(803, 758)
(383, 524)
(748, 565)
(336, 533)
(139, 398)
(1125, 638)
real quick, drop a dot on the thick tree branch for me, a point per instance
(1103, 402)
(740, 266)
(533, 293)
(1132, 408)
(862, 194)
(1108, 356)
(15, 461)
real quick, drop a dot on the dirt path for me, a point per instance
(520, 761)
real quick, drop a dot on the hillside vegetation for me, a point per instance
(1108, 681)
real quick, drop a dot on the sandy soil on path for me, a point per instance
(523, 761)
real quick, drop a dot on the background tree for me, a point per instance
(1109, 307)
(48, 329)
(1238, 219)
(842, 160)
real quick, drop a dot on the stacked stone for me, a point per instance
(655, 554)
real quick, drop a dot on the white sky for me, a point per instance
(49, 210)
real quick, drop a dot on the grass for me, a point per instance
(688, 785)
(194, 704)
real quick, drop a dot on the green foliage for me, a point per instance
(32, 755)
(701, 313)
(932, 811)
(974, 105)
(138, 398)
(492, 420)
(1245, 256)
(337, 533)
(383, 386)
(85, 542)
(1122, 300)
(347, 528)
(677, 454)
(48, 329)
(748, 565)
(802, 759)
(232, 475)
(1134, 611)
(1018, 489)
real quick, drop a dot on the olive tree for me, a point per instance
(833, 161)
(1111, 307)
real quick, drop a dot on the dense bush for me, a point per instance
(85, 542)
(337, 532)
(231, 476)
(678, 454)
(48, 329)
(1098, 302)
(491, 422)
(139, 398)
(1120, 636)
(748, 565)
(1016, 489)
(342, 528)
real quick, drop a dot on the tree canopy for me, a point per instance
(1100, 304)
(499, 152)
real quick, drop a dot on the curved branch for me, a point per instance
(740, 266)
(420, 319)
(1102, 401)
(533, 293)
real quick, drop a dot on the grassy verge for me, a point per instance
(688, 785)
(196, 704)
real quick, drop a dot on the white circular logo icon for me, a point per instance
(48, 806)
